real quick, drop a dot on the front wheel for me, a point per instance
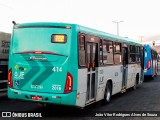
(107, 94)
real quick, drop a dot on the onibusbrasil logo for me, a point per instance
(16, 114)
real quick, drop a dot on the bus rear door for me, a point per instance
(92, 56)
(124, 68)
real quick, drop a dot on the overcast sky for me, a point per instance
(140, 17)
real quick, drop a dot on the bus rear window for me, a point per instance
(59, 38)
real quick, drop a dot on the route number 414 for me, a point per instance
(57, 69)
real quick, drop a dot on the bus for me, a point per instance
(150, 62)
(69, 64)
(4, 52)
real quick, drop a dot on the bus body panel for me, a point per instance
(81, 87)
(65, 99)
(134, 70)
(40, 76)
(138, 72)
(131, 75)
(43, 73)
(104, 74)
(113, 73)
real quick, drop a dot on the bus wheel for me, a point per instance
(136, 82)
(152, 77)
(107, 94)
(135, 85)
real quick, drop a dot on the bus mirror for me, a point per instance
(14, 23)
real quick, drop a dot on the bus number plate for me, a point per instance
(57, 69)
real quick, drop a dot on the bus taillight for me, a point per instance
(149, 64)
(69, 83)
(10, 84)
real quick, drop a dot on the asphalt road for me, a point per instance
(145, 98)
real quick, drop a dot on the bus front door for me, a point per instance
(124, 68)
(92, 62)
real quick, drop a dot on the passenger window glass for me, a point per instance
(82, 54)
(117, 53)
(107, 52)
(132, 54)
(101, 52)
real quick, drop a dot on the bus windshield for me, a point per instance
(41, 39)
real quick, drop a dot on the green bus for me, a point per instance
(69, 64)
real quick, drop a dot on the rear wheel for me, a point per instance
(136, 82)
(107, 94)
(151, 77)
(135, 85)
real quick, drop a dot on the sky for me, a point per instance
(140, 17)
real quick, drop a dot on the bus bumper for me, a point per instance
(64, 99)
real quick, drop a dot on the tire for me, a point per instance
(107, 94)
(136, 82)
(135, 85)
(151, 77)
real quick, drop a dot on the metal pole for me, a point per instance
(117, 28)
(141, 37)
(117, 22)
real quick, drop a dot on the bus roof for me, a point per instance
(149, 46)
(108, 35)
(80, 28)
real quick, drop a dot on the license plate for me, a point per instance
(36, 97)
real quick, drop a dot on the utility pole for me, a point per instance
(117, 22)
(141, 37)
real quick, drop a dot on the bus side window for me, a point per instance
(132, 54)
(142, 51)
(108, 52)
(104, 53)
(82, 54)
(101, 52)
(138, 54)
(117, 53)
